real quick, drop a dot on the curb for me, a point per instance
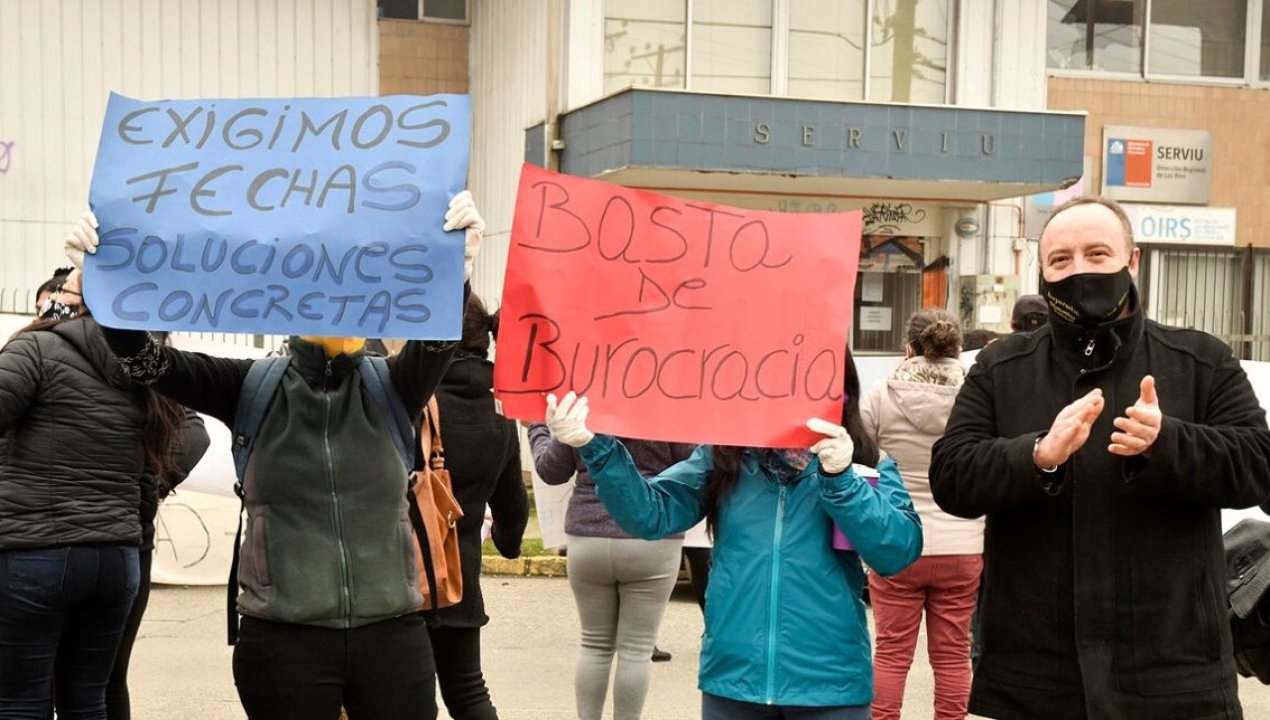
(534, 566)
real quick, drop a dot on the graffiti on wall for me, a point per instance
(6, 156)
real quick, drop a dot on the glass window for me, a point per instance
(644, 43)
(732, 46)
(399, 9)
(826, 48)
(1096, 35)
(1265, 42)
(909, 51)
(445, 10)
(1197, 39)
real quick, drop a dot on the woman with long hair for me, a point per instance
(482, 453)
(785, 624)
(906, 415)
(76, 435)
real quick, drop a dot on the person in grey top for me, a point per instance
(621, 584)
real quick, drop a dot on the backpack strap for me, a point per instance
(378, 383)
(259, 387)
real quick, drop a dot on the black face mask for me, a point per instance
(1089, 299)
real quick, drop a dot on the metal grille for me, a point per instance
(1222, 291)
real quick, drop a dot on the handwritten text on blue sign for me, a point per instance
(303, 216)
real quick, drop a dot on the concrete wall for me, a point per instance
(1235, 116)
(60, 60)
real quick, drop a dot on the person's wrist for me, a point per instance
(1041, 462)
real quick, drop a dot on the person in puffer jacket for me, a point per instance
(785, 623)
(329, 592)
(75, 437)
(906, 414)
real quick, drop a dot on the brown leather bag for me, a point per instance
(434, 508)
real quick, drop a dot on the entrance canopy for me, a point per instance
(676, 141)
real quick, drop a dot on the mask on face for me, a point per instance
(336, 346)
(1089, 299)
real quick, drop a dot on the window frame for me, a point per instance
(778, 84)
(421, 5)
(1252, 58)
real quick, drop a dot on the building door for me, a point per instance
(888, 290)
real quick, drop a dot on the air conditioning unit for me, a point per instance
(986, 301)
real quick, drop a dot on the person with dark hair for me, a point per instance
(49, 287)
(482, 453)
(75, 437)
(785, 625)
(1029, 313)
(330, 598)
(621, 584)
(189, 449)
(977, 339)
(1101, 448)
(906, 415)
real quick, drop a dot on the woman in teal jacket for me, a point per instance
(786, 635)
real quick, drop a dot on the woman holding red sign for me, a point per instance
(785, 624)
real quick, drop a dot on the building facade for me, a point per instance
(954, 125)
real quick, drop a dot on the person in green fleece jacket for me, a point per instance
(786, 635)
(329, 593)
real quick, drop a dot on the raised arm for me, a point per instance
(881, 522)
(667, 504)
(973, 471)
(1222, 460)
(554, 461)
(205, 384)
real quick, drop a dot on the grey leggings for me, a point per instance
(621, 587)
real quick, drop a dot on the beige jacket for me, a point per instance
(906, 414)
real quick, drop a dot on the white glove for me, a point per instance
(463, 214)
(836, 449)
(82, 239)
(567, 420)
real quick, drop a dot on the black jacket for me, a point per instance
(188, 449)
(70, 441)
(482, 453)
(328, 540)
(1104, 582)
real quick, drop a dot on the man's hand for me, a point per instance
(1140, 424)
(1069, 431)
(462, 214)
(82, 239)
(567, 420)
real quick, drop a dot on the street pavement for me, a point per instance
(181, 665)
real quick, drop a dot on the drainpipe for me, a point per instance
(555, 51)
(1020, 234)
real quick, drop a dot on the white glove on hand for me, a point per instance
(836, 449)
(463, 214)
(82, 239)
(567, 420)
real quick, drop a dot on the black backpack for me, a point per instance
(1247, 580)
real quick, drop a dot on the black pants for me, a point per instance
(118, 704)
(458, 656)
(61, 613)
(699, 571)
(382, 671)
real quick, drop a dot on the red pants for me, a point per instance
(946, 587)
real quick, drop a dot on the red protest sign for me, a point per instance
(680, 320)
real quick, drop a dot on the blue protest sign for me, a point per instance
(292, 216)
